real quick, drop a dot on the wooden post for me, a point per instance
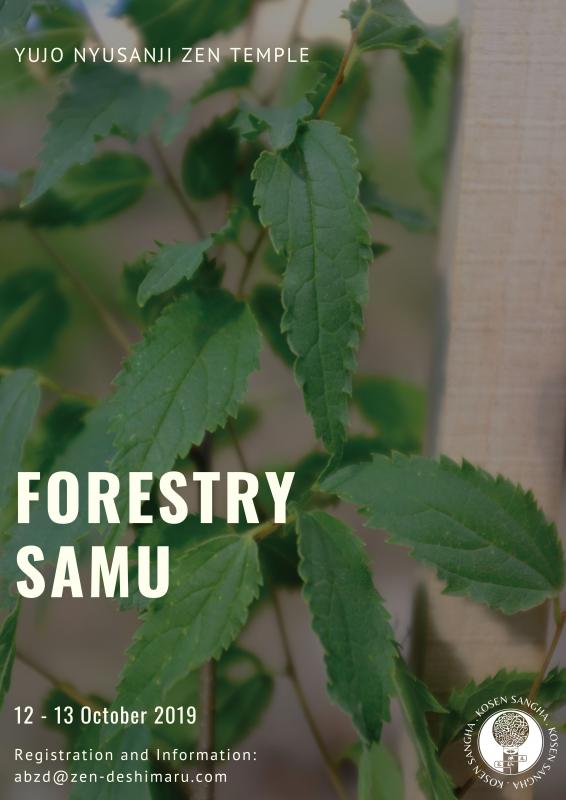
(501, 397)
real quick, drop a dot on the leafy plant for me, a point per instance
(292, 176)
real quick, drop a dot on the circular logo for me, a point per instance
(510, 742)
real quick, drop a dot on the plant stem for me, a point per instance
(299, 691)
(47, 383)
(250, 260)
(62, 686)
(173, 185)
(560, 622)
(207, 704)
(237, 446)
(107, 319)
(341, 74)
(293, 35)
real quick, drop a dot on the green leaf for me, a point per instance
(416, 701)
(350, 620)
(102, 188)
(181, 23)
(486, 537)
(314, 78)
(177, 262)
(170, 265)
(378, 203)
(230, 231)
(211, 589)
(379, 775)
(174, 122)
(54, 433)
(395, 408)
(463, 703)
(431, 90)
(210, 160)
(390, 24)
(186, 377)
(232, 75)
(243, 691)
(7, 650)
(19, 399)
(33, 312)
(100, 100)
(266, 305)
(281, 124)
(55, 26)
(308, 197)
(14, 14)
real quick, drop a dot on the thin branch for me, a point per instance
(340, 75)
(560, 623)
(49, 384)
(311, 722)
(104, 316)
(293, 36)
(62, 686)
(176, 190)
(236, 445)
(250, 261)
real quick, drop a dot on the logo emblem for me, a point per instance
(510, 742)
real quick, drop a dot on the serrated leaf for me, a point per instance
(486, 537)
(172, 264)
(314, 78)
(19, 399)
(211, 589)
(308, 197)
(230, 231)
(266, 305)
(377, 202)
(390, 24)
(189, 533)
(350, 620)
(102, 188)
(178, 262)
(7, 649)
(232, 75)
(379, 775)
(33, 311)
(100, 100)
(463, 703)
(181, 23)
(243, 690)
(186, 377)
(395, 408)
(210, 159)
(281, 124)
(416, 701)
